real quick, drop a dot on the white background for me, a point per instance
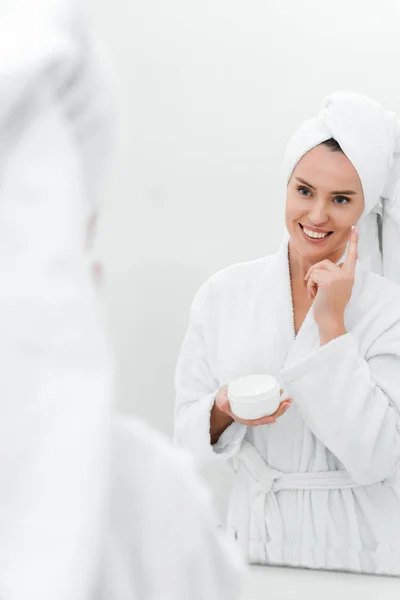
(210, 92)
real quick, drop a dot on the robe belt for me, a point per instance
(265, 519)
(273, 480)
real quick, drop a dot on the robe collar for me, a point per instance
(307, 339)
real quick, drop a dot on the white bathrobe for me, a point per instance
(70, 529)
(163, 540)
(55, 382)
(320, 488)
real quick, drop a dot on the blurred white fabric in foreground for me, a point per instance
(55, 377)
(57, 537)
(163, 542)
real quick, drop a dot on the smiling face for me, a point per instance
(324, 199)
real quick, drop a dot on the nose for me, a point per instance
(318, 214)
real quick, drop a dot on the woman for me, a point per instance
(317, 483)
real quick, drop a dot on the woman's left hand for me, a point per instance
(331, 285)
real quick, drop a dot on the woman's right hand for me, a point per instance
(222, 403)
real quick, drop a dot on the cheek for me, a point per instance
(344, 219)
(294, 208)
(352, 213)
(288, 211)
(359, 212)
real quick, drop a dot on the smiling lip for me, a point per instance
(314, 229)
(315, 240)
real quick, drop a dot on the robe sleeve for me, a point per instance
(352, 403)
(196, 390)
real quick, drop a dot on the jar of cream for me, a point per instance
(254, 396)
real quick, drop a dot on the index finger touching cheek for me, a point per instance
(352, 254)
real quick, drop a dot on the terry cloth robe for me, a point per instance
(56, 130)
(320, 488)
(148, 523)
(163, 540)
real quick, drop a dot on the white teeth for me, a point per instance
(313, 234)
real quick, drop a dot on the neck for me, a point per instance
(299, 264)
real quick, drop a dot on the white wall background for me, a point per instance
(211, 90)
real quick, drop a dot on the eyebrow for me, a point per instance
(348, 192)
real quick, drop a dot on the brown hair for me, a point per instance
(332, 144)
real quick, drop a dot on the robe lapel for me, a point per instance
(307, 340)
(283, 313)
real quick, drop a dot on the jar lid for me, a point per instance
(253, 387)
